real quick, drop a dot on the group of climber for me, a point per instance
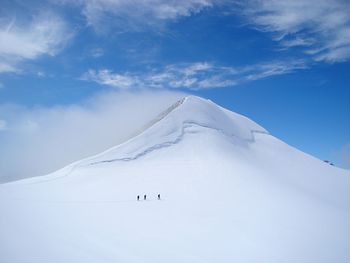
(145, 197)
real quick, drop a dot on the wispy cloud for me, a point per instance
(21, 41)
(97, 52)
(38, 140)
(135, 14)
(321, 27)
(265, 70)
(194, 76)
(107, 77)
(7, 67)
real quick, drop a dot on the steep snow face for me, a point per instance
(230, 192)
(170, 127)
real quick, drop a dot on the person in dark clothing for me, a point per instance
(138, 198)
(158, 196)
(144, 197)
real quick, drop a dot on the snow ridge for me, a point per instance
(178, 139)
(231, 192)
(170, 127)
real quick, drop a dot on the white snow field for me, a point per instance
(230, 192)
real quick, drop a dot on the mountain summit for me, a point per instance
(188, 115)
(229, 192)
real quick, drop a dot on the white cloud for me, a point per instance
(265, 70)
(41, 74)
(134, 14)
(46, 34)
(200, 75)
(193, 76)
(321, 27)
(297, 41)
(107, 77)
(42, 139)
(97, 52)
(7, 67)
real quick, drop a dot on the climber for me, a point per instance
(138, 198)
(144, 197)
(158, 196)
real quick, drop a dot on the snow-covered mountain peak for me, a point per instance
(202, 112)
(181, 118)
(230, 192)
(193, 110)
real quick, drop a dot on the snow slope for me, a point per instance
(231, 192)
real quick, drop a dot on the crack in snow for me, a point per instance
(166, 144)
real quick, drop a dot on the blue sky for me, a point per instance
(284, 64)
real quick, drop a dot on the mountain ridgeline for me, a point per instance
(230, 192)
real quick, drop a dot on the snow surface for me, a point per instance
(230, 192)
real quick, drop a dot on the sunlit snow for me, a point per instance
(230, 192)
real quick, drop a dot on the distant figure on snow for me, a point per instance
(158, 196)
(144, 197)
(138, 198)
